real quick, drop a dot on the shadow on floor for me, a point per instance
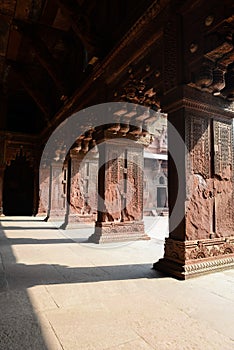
(23, 228)
(20, 220)
(19, 326)
(26, 276)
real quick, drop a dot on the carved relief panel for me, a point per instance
(198, 144)
(123, 182)
(83, 187)
(223, 178)
(134, 193)
(58, 195)
(77, 200)
(44, 190)
(114, 182)
(199, 203)
(209, 178)
(222, 149)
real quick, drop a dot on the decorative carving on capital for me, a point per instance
(137, 91)
(205, 76)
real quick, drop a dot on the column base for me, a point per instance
(56, 216)
(188, 259)
(109, 232)
(40, 214)
(73, 221)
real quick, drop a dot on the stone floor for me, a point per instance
(58, 292)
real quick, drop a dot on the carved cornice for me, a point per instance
(202, 102)
(144, 20)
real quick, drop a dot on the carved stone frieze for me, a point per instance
(191, 258)
(198, 249)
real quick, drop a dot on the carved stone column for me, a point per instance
(44, 186)
(120, 190)
(203, 240)
(80, 208)
(57, 192)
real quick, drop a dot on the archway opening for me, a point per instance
(18, 188)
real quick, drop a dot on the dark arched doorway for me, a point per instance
(18, 188)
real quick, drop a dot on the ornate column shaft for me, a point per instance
(44, 186)
(203, 241)
(57, 191)
(80, 208)
(120, 190)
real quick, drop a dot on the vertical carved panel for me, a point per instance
(93, 188)
(198, 143)
(44, 190)
(222, 149)
(170, 55)
(114, 182)
(223, 182)
(199, 205)
(57, 200)
(77, 202)
(134, 204)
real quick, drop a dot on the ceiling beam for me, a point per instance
(36, 94)
(44, 56)
(81, 25)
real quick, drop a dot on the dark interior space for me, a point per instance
(18, 188)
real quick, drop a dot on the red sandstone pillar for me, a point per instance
(203, 241)
(120, 190)
(82, 191)
(57, 192)
(44, 185)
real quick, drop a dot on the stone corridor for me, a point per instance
(59, 292)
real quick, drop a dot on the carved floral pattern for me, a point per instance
(196, 250)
